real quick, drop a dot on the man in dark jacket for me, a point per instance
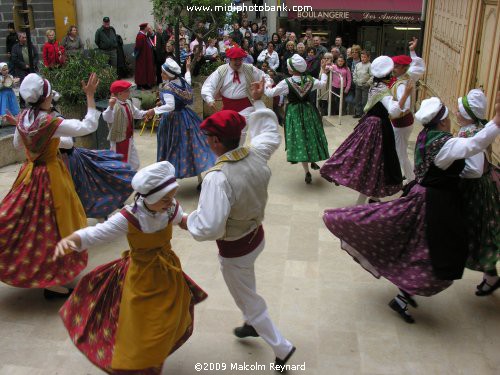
(20, 58)
(11, 40)
(159, 51)
(106, 41)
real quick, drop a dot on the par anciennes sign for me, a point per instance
(344, 15)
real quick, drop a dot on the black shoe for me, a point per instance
(280, 363)
(409, 299)
(357, 116)
(308, 178)
(402, 311)
(245, 331)
(199, 186)
(314, 166)
(481, 291)
(373, 200)
(50, 294)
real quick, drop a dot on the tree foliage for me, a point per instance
(174, 11)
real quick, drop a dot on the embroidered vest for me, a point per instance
(248, 175)
(394, 91)
(118, 128)
(247, 70)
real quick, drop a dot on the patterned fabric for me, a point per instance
(40, 209)
(359, 162)
(388, 239)
(8, 102)
(305, 139)
(102, 180)
(481, 201)
(36, 138)
(128, 315)
(376, 94)
(426, 151)
(469, 130)
(481, 205)
(180, 140)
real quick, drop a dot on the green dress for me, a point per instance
(305, 139)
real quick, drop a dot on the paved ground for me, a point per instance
(332, 310)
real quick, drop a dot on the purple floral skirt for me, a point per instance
(359, 162)
(388, 239)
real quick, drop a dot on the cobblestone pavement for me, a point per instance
(334, 312)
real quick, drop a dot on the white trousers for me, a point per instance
(133, 155)
(401, 136)
(239, 275)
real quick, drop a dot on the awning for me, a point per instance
(407, 11)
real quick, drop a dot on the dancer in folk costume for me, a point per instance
(42, 207)
(8, 100)
(129, 315)
(367, 160)
(180, 140)
(231, 210)
(232, 83)
(480, 197)
(102, 180)
(418, 242)
(305, 139)
(405, 68)
(120, 116)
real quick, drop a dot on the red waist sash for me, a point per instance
(242, 246)
(403, 122)
(237, 105)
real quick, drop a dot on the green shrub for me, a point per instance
(210, 67)
(67, 79)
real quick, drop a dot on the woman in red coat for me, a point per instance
(53, 53)
(145, 76)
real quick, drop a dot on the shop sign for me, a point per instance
(343, 15)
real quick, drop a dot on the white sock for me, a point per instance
(361, 199)
(305, 166)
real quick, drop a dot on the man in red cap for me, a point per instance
(120, 116)
(231, 209)
(145, 75)
(232, 83)
(405, 68)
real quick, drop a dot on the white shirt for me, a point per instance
(169, 99)
(67, 128)
(462, 148)
(273, 58)
(230, 89)
(415, 71)
(117, 225)
(109, 114)
(208, 222)
(282, 87)
(211, 51)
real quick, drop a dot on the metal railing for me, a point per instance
(330, 92)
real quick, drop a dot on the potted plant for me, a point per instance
(67, 80)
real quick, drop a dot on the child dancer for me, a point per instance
(42, 207)
(180, 140)
(8, 100)
(120, 116)
(129, 315)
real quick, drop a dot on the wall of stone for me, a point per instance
(125, 19)
(44, 20)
